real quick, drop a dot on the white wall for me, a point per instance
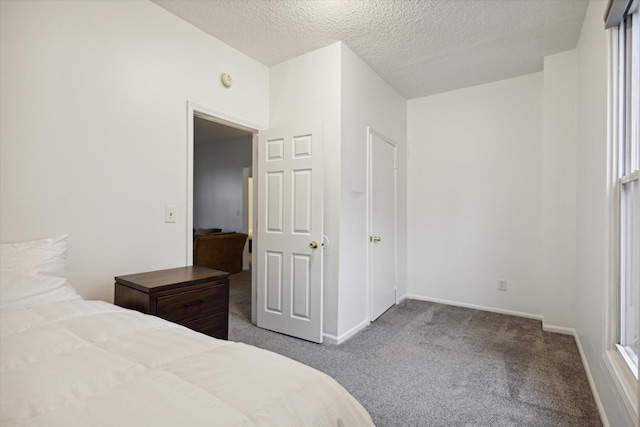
(93, 102)
(591, 284)
(475, 195)
(217, 183)
(366, 100)
(306, 89)
(558, 234)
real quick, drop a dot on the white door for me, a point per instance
(382, 214)
(290, 229)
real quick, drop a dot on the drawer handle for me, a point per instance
(191, 304)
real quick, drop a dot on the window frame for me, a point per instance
(627, 164)
(623, 122)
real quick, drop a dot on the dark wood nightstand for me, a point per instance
(196, 297)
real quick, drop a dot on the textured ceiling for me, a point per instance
(419, 47)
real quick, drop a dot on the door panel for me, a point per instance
(275, 199)
(302, 201)
(289, 278)
(273, 281)
(383, 224)
(301, 289)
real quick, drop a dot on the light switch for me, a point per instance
(170, 214)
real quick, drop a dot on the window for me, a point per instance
(625, 92)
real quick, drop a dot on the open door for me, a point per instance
(290, 228)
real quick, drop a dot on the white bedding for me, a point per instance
(90, 363)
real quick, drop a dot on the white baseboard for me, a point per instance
(558, 329)
(592, 384)
(329, 339)
(332, 339)
(545, 327)
(585, 364)
(402, 298)
(476, 307)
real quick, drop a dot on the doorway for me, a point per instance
(382, 223)
(221, 157)
(299, 150)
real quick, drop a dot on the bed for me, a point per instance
(65, 361)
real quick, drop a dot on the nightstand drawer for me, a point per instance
(192, 304)
(215, 326)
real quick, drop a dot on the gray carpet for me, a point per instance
(427, 364)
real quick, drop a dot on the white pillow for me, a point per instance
(34, 273)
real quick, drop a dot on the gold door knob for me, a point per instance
(376, 238)
(313, 245)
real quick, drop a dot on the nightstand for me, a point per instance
(196, 297)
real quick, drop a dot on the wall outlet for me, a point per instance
(502, 285)
(170, 214)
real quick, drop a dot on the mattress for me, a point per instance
(90, 363)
